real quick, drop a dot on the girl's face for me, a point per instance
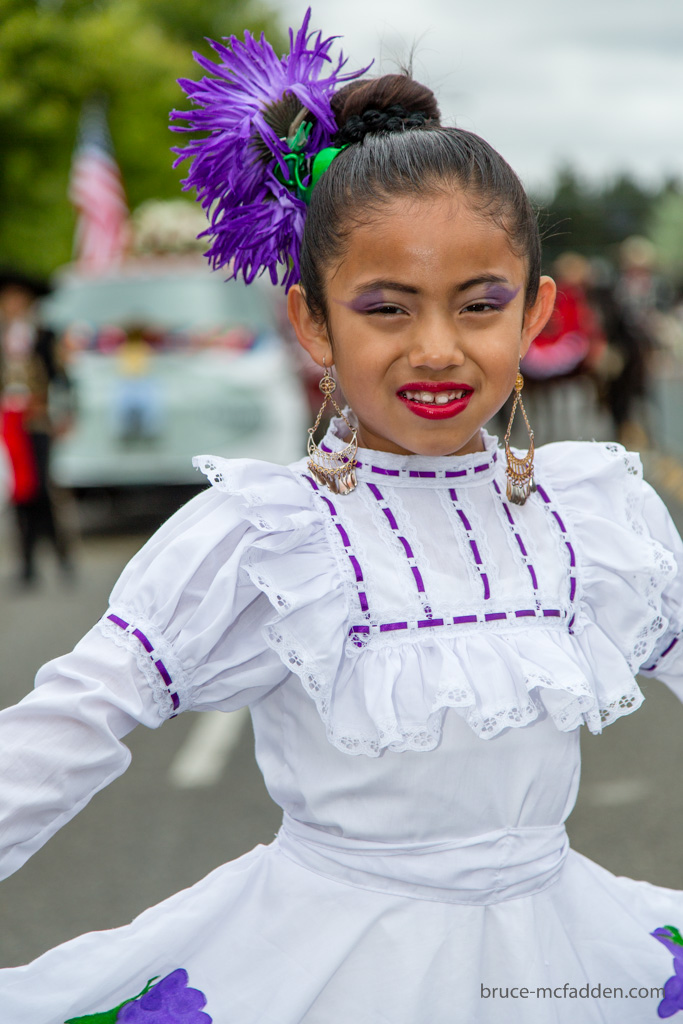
(426, 324)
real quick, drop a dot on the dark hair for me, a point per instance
(401, 149)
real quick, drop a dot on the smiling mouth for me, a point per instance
(434, 397)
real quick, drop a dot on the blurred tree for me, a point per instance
(593, 218)
(57, 53)
(666, 231)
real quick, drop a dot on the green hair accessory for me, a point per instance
(301, 167)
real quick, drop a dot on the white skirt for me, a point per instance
(268, 940)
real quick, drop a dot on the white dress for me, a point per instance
(417, 657)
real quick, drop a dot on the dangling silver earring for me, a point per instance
(334, 470)
(520, 472)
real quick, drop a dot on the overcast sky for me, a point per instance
(598, 83)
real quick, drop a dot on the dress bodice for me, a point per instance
(430, 549)
(422, 614)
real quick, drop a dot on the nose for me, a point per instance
(436, 345)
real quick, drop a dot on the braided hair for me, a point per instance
(397, 146)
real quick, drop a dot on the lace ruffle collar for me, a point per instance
(418, 470)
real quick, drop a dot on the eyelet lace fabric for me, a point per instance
(154, 656)
(380, 681)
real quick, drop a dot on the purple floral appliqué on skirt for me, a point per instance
(170, 1001)
(673, 987)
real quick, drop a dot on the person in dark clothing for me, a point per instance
(31, 372)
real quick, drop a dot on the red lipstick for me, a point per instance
(413, 395)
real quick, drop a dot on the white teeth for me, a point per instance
(434, 397)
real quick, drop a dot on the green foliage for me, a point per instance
(666, 231)
(57, 53)
(593, 219)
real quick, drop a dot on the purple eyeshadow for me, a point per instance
(499, 294)
(369, 300)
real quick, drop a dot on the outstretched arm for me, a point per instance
(62, 743)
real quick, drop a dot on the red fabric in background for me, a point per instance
(25, 485)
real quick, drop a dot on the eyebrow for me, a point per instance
(398, 286)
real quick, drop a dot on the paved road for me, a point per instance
(149, 834)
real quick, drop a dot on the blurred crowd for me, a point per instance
(615, 326)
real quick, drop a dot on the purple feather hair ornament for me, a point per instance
(256, 109)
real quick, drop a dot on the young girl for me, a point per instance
(418, 618)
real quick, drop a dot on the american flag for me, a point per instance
(96, 190)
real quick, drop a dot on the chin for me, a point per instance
(435, 447)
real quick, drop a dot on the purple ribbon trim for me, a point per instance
(465, 520)
(158, 664)
(424, 474)
(356, 568)
(418, 579)
(572, 557)
(406, 546)
(653, 666)
(520, 543)
(391, 519)
(358, 573)
(390, 516)
(356, 633)
(118, 622)
(344, 535)
(329, 504)
(557, 516)
(475, 552)
(144, 641)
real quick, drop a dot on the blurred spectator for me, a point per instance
(138, 414)
(572, 339)
(559, 366)
(641, 291)
(623, 371)
(36, 405)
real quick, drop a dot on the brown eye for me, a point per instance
(481, 307)
(387, 309)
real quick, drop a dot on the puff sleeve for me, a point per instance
(632, 554)
(666, 660)
(186, 629)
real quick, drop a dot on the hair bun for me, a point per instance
(391, 103)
